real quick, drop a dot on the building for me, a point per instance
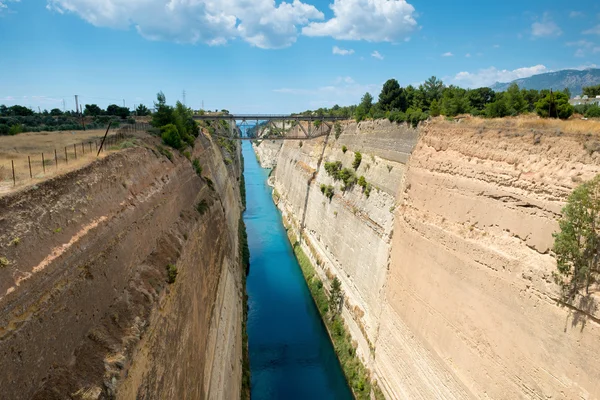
(581, 100)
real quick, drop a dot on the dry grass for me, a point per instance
(531, 121)
(17, 149)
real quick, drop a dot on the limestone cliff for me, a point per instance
(86, 308)
(267, 152)
(446, 265)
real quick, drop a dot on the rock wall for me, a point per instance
(86, 310)
(267, 152)
(446, 267)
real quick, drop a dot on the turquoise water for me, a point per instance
(291, 356)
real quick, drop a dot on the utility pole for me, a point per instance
(64, 105)
(203, 105)
(184, 97)
(123, 102)
(77, 104)
(135, 109)
(39, 110)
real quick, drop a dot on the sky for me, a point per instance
(266, 56)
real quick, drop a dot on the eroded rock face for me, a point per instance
(86, 311)
(446, 266)
(267, 152)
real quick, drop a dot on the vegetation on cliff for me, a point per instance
(177, 127)
(577, 243)
(357, 375)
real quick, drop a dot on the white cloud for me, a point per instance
(448, 54)
(594, 31)
(580, 53)
(376, 55)
(342, 52)
(545, 28)
(259, 22)
(4, 4)
(496, 46)
(489, 76)
(371, 20)
(468, 55)
(575, 14)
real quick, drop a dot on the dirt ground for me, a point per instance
(70, 155)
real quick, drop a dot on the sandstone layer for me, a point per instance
(446, 267)
(86, 310)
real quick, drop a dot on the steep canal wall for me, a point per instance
(86, 309)
(445, 266)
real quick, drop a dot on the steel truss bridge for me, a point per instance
(271, 127)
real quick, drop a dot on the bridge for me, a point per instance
(270, 126)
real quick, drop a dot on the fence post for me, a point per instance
(90, 147)
(75, 148)
(82, 148)
(30, 174)
(104, 138)
(56, 158)
(43, 163)
(66, 156)
(13, 169)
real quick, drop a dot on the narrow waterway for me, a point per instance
(291, 356)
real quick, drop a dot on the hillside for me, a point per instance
(575, 80)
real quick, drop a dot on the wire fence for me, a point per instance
(23, 161)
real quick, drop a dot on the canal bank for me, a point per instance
(291, 355)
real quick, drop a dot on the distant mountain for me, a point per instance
(567, 78)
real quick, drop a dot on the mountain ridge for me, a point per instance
(572, 79)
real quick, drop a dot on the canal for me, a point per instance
(291, 356)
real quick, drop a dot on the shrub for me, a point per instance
(338, 130)
(15, 129)
(348, 177)
(187, 155)
(171, 137)
(202, 207)
(357, 160)
(333, 169)
(197, 167)
(593, 112)
(329, 192)
(171, 273)
(344, 149)
(362, 182)
(210, 183)
(323, 187)
(554, 105)
(165, 152)
(4, 262)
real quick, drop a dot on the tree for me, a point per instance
(164, 113)
(567, 91)
(121, 112)
(92, 110)
(435, 109)
(20, 111)
(591, 91)
(554, 105)
(170, 135)
(577, 243)
(454, 101)
(497, 109)
(55, 112)
(392, 96)
(515, 102)
(142, 110)
(363, 109)
(335, 297)
(433, 88)
(479, 98)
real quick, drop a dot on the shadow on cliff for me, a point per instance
(581, 311)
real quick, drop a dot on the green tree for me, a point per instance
(164, 113)
(357, 160)
(515, 102)
(56, 112)
(454, 101)
(577, 243)
(171, 137)
(593, 112)
(554, 105)
(392, 96)
(364, 108)
(433, 88)
(591, 91)
(479, 98)
(497, 109)
(336, 297)
(435, 109)
(142, 110)
(92, 110)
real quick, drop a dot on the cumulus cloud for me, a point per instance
(594, 31)
(342, 52)
(376, 55)
(584, 47)
(489, 76)
(371, 20)
(261, 23)
(4, 4)
(575, 14)
(545, 28)
(448, 54)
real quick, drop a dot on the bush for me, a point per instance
(344, 149)
(165, 152)
(329, 192)
(171, 273)
(333, 169)
(593, 112)
(187, 155)
(171, 137)
(197, 167)
(338, 130)
(554, 105)
(202, 207)
(15, 129)
(357, 160)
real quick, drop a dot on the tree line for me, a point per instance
(433, 98)
(17, 118)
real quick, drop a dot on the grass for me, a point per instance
(197, 167)
(165, 152)
(15, 242)
(57, 230)
(357, 375)
(4, 262)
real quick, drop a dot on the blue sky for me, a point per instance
(270, 56)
